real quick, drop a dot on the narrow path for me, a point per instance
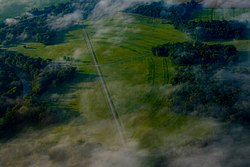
(115, 115)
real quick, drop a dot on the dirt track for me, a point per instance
(111, 105)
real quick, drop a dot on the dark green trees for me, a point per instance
(207, 81)
(35, 25)
(22, 81)
(198, 53)
(215, 29)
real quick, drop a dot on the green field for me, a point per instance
(137, 79)
(138, 85)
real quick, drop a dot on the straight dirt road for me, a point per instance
(111, 105)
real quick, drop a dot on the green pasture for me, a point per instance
(137, 79)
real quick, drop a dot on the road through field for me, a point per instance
(113, 111)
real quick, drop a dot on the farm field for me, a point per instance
(110, 83)
(138, 87)
(138, 84)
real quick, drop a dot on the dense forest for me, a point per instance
(188, 53)
(174, 13)
(22, 82)
(181, 16)
(213, 30)
(208, 83)
(37, 25)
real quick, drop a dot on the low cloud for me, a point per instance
(230, 149)
(10, 21)
(227, 3)
(108, 7)
(115, 27)
(79, 54)
(63, 22)
(120, 157)
(243, 17)
(23, 36)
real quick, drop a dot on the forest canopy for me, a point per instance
(189, 53)
(37, 25)
(22, 82)
(208, 82)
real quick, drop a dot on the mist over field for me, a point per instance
(102, 95)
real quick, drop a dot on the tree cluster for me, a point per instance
(216, 92)
(33, 26)
(213, 30)
(22, 82)
(189, 53)
(207, 81)
(27, 29)
(85, 6)
(176, 14)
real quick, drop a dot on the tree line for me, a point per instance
(188, 53)
(181, 12)
(215, 29)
